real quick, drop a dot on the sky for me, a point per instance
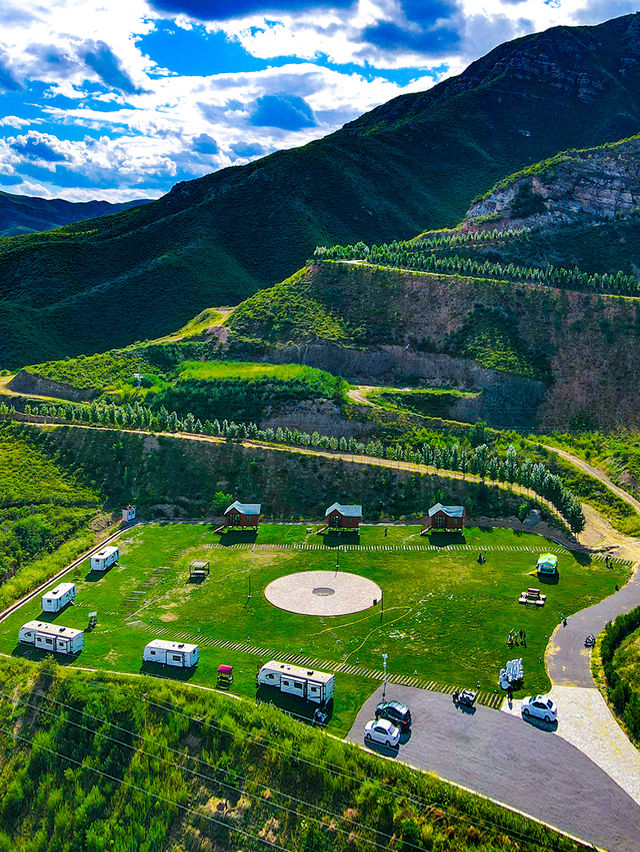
(121, 99)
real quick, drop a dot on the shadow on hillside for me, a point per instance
(549, 579)
(443, 539)
(332, 538)
(229, 537)
(291, 704)
(167, 672)
(93, 576)
(36, 655)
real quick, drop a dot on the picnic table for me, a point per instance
(532, 596)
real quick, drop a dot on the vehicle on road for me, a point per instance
(540, 707)
(589, 641)
(464, 696)
(383, 732)
(395, 712)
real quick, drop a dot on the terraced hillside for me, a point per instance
(574, 353)
(415, 162)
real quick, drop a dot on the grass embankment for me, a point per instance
(43, 505)
(92, 763)
(446, 618)
(208, 389)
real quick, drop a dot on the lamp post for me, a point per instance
(384, 683)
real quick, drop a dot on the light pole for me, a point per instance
(384, 683)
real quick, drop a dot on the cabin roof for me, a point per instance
(166, 645)
(297, 671)
(451, 511)
(244, 508)
(345, 511)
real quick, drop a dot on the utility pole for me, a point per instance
(384, 684)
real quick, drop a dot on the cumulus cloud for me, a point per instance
(38, 146)
(222, 10)
(289, 112)
(8, 81)
(101, 59)
(205, 144)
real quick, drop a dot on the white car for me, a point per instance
(540, 707)
(382, 731)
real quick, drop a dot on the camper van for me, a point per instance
(52, 637)
(307, 684)
(179, 654)
(105, 558)
(59, 597)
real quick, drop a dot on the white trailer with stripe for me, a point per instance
(179, 654)
(52, 637)
(58, 598)
(309, 684)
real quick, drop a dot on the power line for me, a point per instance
(339, 772)
(186, 808)
(240, 790)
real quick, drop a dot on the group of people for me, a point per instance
(517, 637)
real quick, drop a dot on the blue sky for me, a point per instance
(120, 99)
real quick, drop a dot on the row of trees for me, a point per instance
(435, 241)
(480, 461)
(413, 256)
(622, 695)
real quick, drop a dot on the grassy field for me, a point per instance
(445, 617)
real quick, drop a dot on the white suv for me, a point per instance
(382, 731)
(539, 707)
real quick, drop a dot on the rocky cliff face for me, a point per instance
(592, 185)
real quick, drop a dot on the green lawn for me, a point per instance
(445, 617)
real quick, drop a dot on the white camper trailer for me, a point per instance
(179, 654)
(52, 637)
(105, 558)
(308, 684)
(59, 597)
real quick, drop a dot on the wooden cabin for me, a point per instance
(446, 518)
(243, 515)
(339, 517)
(128, 514)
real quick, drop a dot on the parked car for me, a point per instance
(382, 731)
(395, 712)
(540, 707)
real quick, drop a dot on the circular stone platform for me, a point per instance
(323, 593)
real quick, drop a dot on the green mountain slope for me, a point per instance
(575, 353)
(415, 162)
(23, 214)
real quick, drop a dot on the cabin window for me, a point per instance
(298, 685)
(153, 653)
(176, 657)
(270, 676)
(48, 640)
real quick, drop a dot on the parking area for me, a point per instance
(516, 763)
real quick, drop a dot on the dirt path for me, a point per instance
(357, 394)
(597, 473)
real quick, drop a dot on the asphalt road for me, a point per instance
(568, 662)
(514, 762)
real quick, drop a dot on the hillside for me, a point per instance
(415, 162)
(23, 214)
(550, 358)
(580, 186)
(91, 763)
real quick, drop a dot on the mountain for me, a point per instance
(540, 356)
(24, 214)
(576, 187)
(415, 162)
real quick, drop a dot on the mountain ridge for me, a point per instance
(24, 214)
(417, 161)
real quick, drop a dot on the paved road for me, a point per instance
(515, 763)
(568, 661)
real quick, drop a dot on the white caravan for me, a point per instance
(59, 597)
(52, 637)
(308, 684)
(179, 654)
(105, 558)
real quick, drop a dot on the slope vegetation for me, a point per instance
(575, 351)
(414, 162)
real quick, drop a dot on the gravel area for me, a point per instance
(323, 593)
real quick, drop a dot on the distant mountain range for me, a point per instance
(24, 214)
(416, 162)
